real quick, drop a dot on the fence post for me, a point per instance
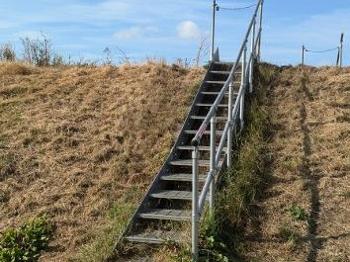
(229, 118)
(303, 55)
(212, 163)
(243, 86)
(341, 50)
(195, 219)
(252, 60)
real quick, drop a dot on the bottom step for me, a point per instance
(155, 237)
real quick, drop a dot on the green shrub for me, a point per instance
(298, 213)
(26, 242)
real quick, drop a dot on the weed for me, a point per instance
(289, 235)
(7, 53)
(26, 242)
(8, 165)
(37, 51)
(298, 213)
(346, 195)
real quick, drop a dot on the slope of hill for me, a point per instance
(81, 144)
(304, 215)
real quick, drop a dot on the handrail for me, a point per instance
(235, 113)
(197, 138)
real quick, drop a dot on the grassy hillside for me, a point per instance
(303, 215)
(81, 144)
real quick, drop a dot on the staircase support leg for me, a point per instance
(229, 134)
(195, 214)
(243, 87)
(212, 163)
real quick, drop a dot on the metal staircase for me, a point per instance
(173, 206)
(169, 198)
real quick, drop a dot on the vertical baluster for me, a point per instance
(212, 162)
(260, 28)
(243, 86)
(252, 60)
(195, 219)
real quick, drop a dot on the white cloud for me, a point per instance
(135, 32)
(188, 30)
(126, 34)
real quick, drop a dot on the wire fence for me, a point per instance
(235, 8)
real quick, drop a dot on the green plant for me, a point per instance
(298, 213)
(288, 235)
(26, 242)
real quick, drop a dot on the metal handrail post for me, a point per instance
(212, 50)
(243, 85)
(260, 28)
(212, 162)
(195, 219)
(252, 60)
(229, 119)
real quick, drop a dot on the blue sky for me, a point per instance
(172, 29)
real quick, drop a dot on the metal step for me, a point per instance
(210, 105)
(172, 194)
(216, 93)
(221, 82)
(224, 63)
(156, 237)
(224, 72)
(207, 132)
(166, 214)
(215, 82)
(182, 177)
(200, 148)
(188, 162)
(219, 118)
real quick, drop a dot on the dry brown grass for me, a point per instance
(311, 168)
(79, 143)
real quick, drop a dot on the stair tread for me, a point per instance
(215, 93)
(166, 214)
(173, 194)
(220, 82)
(200, 148)
(224, 63)
(203, 117)
(188, 162)
(207, 132)
(182, 177)
(154, 237)
(223, 72)
(209, 105)
(215, 82)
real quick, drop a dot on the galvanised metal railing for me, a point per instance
(235, 114)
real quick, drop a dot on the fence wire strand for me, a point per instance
(321, 51)
(235, 9)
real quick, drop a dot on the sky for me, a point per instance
(173, 29)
